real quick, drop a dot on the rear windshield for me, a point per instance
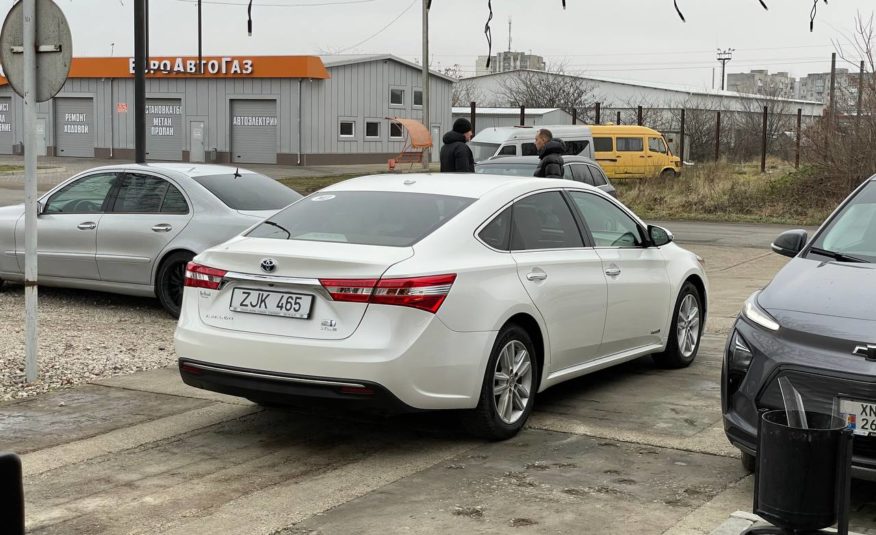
(363, 217)
(483, 151)
(511, 169)
(249, 191)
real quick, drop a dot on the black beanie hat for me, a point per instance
(462, 125)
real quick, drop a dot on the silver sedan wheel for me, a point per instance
(688, 327)
(512, 381)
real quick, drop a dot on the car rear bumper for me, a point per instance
(813, 373)
(424, 365)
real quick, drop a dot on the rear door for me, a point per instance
(636, 276)
(68, 228)
(147, 213)
(604, 153)
(563, 278)
(631, 156)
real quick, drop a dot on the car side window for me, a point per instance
(528, 149)
(544, 221)
(142, 194)
(84, 196)
(576, 147)
(609, 225)
(507, 150)
(599, 178)
(602, 144)
(630, 144)
(567, 172)
(174, 202)
(497, 234)
(581, 174)
(656, 144)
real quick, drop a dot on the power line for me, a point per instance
(381, 30)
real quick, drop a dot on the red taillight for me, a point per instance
(198, 276)
(351, 290)
(424, 293)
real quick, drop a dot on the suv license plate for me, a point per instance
(271, 303)
(860, 416)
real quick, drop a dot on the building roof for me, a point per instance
(511, 112)
(338, 60)
(653, 85)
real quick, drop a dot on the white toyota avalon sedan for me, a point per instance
(438, 291)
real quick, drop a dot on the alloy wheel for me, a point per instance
(688, 326)
(512, 381)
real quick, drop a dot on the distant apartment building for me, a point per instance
(761, 82)
(816, 87)
(509, 61)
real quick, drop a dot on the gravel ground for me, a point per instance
(83, 336)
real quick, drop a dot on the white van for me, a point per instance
(497, 142)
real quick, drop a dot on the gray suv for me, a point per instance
(814, 324)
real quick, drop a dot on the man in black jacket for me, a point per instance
(550, 152)
(456, 157)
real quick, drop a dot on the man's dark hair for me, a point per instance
(545, 133)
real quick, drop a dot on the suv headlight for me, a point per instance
(752, 311)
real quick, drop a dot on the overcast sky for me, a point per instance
(631, 39)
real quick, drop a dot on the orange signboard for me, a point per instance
(209, 67)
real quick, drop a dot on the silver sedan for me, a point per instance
(131, 229)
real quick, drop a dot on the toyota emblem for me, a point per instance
(269, 265)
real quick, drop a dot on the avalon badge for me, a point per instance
(269, 265)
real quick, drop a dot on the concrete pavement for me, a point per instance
(633, 449)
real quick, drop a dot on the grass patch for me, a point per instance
(11, 168)
(732, 193)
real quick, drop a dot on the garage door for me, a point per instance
(74, 127)
(6, 125)
(164, 129)
(254, 131)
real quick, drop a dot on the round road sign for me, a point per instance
(54, 49)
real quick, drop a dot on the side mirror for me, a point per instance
(41, 208)
(790, 243)
(659, 236)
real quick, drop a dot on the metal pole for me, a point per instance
(426, 119)
(574, 115)
(639, 116)
(860, 94)
(522, 115)
(474, 117)
(140, 80)
(799, 133)
(618, 118)
(200, 42)
(30, 193)
(718, 138)
(832, 90)
(763, 146)
(681, 147)
(598, 118)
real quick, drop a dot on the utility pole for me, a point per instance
(724, 56)
(509, 34)
(31, 323)
(140, 61)
(427, 154)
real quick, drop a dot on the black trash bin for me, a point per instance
(802, 475)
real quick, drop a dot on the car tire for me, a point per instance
(749, 461)
(170, 280)
(668, 174)
(686, 332)
(487, 420)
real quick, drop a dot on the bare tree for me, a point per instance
(465, 92)
(553, 88)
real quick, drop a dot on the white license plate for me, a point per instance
(271, 303)
(860, 416)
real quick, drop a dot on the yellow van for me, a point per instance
(633, 152)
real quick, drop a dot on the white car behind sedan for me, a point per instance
(438, 292)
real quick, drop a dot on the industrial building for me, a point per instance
(289, 110)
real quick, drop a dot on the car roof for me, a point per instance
(499, 134)
(622, 129)
(452, 184)
(187, 169)
(498, 162)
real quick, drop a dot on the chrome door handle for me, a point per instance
(613, 271)
(87, 226)
(536, 276)
(163, 227)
